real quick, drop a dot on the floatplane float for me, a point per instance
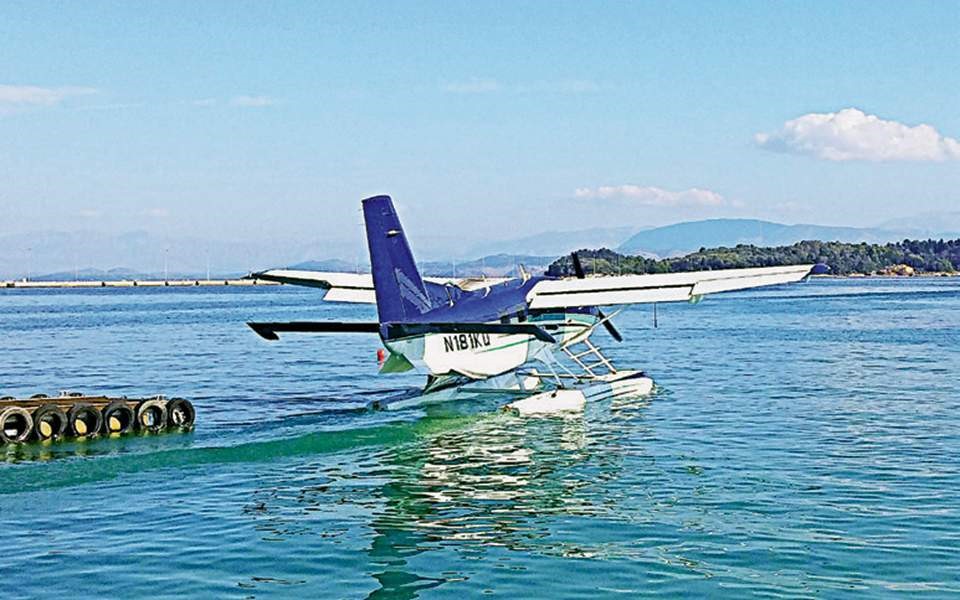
(476, 336)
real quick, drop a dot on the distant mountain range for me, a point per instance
(929, 223)
(554, 243)
(140, 252)
(496, 265)
(684, 238)
(121, 274)
(90, 255)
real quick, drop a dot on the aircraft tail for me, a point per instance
(400, 292)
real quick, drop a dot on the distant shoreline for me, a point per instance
(930, 275)
(182, 283)
(131, 283)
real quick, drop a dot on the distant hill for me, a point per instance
(118, 274)
(142, 252)
(334, 265)
(496, 265)
(492, 266)
(944, 225)
(841, 258)
(554, 243)
(121, 274)
(684, 238)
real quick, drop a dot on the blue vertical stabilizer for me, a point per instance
(401, 295)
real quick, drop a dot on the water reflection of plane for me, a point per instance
(452, 484)
(494, 482)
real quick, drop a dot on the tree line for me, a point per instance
(923, 256)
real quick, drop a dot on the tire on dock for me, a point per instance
(118, 418)
(49, 422)
(180, 413)
(16, 425)
(84, 420)
(45, 418)
(152, 415)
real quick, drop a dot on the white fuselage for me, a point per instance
(482, 355)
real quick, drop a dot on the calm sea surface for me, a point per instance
(805, 441)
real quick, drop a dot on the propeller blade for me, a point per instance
(608, 325)
(578, 270)
(577, 267)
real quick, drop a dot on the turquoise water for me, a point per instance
(805, 442)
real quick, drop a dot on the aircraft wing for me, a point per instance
(358, 287)
(341, 287)
(659, 287)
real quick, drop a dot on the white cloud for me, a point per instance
(851, 134)
(157, 213)
(40, 96)
(205, 102)
(654, 196)
(14, 97)
(252, 101)
(474, 85)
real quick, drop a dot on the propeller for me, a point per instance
(578, 271)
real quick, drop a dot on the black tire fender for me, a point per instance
(118, 418)
(84, 420)
(53, 416)
(180, 413)
(152, 415)
(15, 435)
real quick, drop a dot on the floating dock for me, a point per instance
(131, 283)
(72, 414)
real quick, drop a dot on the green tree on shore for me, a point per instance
(923, 256)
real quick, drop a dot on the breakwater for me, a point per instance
(128, 283)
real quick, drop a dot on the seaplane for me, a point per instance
(528, 337)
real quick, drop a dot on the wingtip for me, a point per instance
(264, 331)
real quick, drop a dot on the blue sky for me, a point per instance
(484, 120)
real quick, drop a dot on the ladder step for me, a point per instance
(595, 365)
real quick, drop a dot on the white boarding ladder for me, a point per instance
(588, 357)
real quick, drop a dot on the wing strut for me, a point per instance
(578, 270)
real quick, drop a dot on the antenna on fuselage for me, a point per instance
(524, 275)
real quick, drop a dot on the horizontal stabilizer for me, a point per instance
(319, 279)
(358, 287)
(269, 331)
(400, 330)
